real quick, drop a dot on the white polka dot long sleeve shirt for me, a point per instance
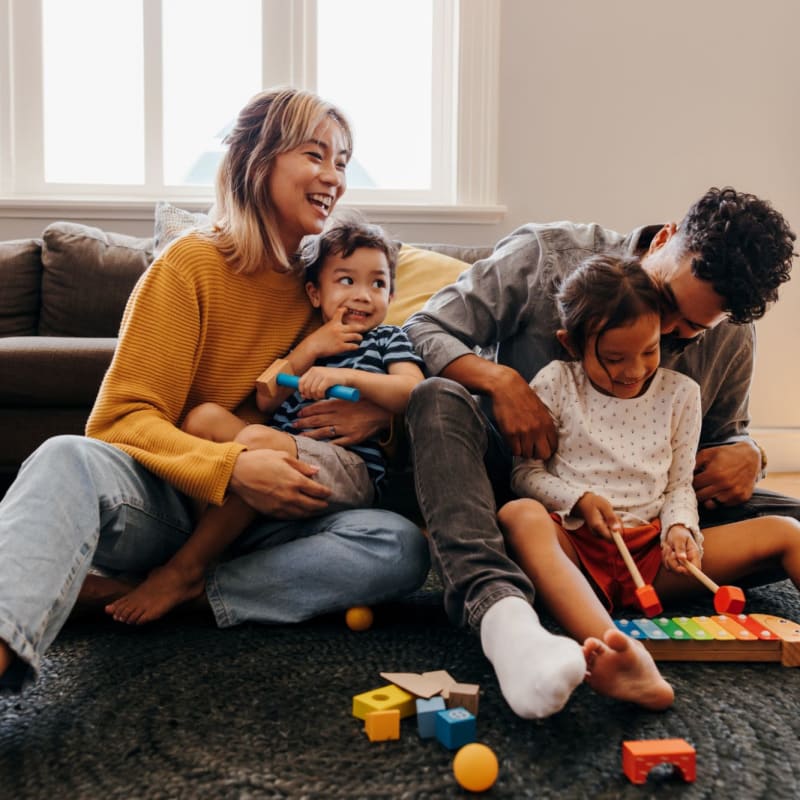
(639, 453)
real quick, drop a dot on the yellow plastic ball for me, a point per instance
(475, 767)
(359, 618)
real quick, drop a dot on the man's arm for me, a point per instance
(520, 415)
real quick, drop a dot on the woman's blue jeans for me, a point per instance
(79, 502)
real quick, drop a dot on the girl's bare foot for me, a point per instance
(164, 588)
(621, 667)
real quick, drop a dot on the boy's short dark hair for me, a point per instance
(742, 245)
(344, 236)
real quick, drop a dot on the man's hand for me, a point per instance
(522, 418)
(726, 475)
(275, 484)
(342, 422)
(598, 514)
(679, 546)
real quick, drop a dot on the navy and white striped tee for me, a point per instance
(380, 347)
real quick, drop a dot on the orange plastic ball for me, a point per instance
(475, 767)
(359, 618)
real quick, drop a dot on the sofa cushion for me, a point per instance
(172, 222)
(88, 275)
(421, 272)
(20, 282)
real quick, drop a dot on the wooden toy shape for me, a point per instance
(754, 637)
(427, 684)
(427, 709)
(645, 593)
(455, 727)
(381, 726)
(464, 695)
(639, 757)
(267, 380)
(727, 599)
(383, 699)
(339, 392)
(475, 767)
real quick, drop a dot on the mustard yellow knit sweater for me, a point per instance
(193, 332)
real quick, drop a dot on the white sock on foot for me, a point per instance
(537, 670)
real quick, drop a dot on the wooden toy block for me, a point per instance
(645, 594)
(455, 727)
(425, 685)
(384, 698)
(267, 380)
(427, 709)
(444, 679)
(754, 637)
(639, 757)
(464, 695)
(727, 599)
(381, 726)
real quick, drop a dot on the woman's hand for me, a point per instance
(342, 422)
(275, 484)
(598, 514)
(679, 546)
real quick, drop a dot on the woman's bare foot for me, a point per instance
(621, 667)
(164, 588)
(6, 657)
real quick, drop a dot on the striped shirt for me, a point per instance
(380, 347)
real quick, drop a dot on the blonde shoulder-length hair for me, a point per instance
(273, 122)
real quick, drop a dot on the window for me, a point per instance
(132, 98)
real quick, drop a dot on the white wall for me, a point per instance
(623, 112)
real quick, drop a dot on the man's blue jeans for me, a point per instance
(79, 502)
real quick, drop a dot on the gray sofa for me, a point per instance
(61, 302)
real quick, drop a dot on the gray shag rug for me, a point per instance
(179, 709)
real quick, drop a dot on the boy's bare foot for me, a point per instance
(621, 667)
(96, 593)
(164, 588)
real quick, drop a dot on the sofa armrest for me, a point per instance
(52, 371)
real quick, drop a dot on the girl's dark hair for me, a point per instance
(345, 235)
(604, 292)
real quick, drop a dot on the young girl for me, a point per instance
(627, 439)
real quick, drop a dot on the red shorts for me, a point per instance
(602, 561)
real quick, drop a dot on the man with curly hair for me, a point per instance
(490, 332)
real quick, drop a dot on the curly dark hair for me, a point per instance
(346, 233)
(742, 245)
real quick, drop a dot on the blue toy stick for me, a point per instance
(340, 392)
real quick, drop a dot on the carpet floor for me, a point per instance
(179, 709)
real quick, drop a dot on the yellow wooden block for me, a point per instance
(384, 698)
(382, 725)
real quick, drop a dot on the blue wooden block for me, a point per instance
(455, 727)
(426, 715)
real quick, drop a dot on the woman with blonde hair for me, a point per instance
(203, 322)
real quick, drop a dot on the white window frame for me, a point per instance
(466, 65)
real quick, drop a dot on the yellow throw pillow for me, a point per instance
(420, 274)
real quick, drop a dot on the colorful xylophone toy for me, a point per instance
(722, 637)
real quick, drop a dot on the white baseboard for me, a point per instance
(782, 446)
